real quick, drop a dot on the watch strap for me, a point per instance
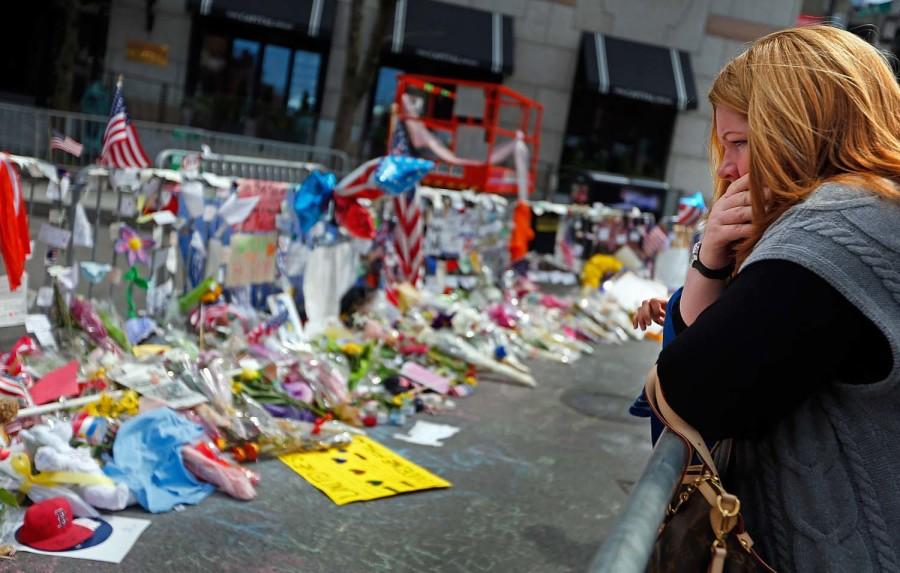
(712, 274)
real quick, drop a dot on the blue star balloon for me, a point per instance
(397, 174)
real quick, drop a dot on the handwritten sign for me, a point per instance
(363, 471)
(251, 260)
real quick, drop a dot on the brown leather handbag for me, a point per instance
(703, 529)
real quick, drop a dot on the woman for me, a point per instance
(798, 360)
(729, 221)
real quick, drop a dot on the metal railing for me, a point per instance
(241, 166)
(630, 544)
(27, 130)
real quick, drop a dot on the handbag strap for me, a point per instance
(675, 422)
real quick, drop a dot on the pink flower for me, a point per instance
(133, 244)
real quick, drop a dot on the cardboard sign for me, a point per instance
(363, 471)
(251, 260)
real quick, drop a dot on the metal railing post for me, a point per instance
(630, 544)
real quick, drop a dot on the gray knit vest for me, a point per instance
(820, 489)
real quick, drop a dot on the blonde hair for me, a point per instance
(821, 105)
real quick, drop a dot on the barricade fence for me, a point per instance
(27, 131)
(461, 222)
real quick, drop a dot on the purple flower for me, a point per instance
(133, 244)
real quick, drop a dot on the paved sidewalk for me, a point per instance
(538, 480)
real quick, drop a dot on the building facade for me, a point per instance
(623, 83)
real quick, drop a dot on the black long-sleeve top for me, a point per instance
(776, 334)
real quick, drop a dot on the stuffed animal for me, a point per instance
(52, 453)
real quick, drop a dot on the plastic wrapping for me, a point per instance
(87, 318)
(206, 465)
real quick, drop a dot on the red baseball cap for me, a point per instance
(49, 526)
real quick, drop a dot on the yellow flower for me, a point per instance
(352, 349)
(108, 407)
(398, 400)
(249, 375)
(597, 267)
(471, 381)
(236, 387)
(129, 403)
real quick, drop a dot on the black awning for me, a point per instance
(315, 18)
(638, 71)
(454, 34)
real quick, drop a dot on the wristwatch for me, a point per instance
(713, 274)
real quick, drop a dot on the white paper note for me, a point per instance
(52, 191)
(39, 325)
(13, 305)
(127, 206)
(82, 231)
(192, 195)
(44, 297)
(64, 184)
(427, 434)
(236, 210)
(54, 236)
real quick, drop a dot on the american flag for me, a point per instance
(121, 146)
(688, 214)
(9, 386)
(66, 144)
(358, 183)
(409, 232)
(655, 241)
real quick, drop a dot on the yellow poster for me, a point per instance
(362, 471)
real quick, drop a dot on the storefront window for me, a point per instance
(273, 84)
(618, 135)
(213, 59)
(304, 81)
(247, 82)
(241, 73)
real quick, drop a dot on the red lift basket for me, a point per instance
(432, 102)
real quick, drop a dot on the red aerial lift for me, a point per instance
(430, 110)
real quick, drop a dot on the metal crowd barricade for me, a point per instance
(26, 131)
(239, 166)
(630, 543)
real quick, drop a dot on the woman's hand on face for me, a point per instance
(653, 309)
(729, 221)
